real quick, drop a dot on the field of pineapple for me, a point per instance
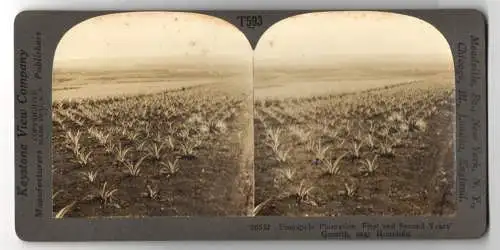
(196, 152)
(175, 153)
(384, 151)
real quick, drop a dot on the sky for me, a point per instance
(151, 35)
(351, 33)
(305, 37)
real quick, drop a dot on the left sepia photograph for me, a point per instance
(152, 116)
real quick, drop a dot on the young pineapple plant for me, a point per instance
(82, 157)
(221, 126)
(386, 149)
(152, 192)
(287, 173)
(369, 166)
(106, 195)
(303, 192)
(420, 125)
(155, 151)
(54, 195)
(134, 168)
(73, 141)
(356, 149)
(131, 135)
(121, 153)
(320, 152)
(281, 155)
(310, 145)
(141, 146)
(273, 139)
(170, 167)
(188, 148)
(109, 147)
(257, 209)
(100, 136)
(350, 189)
(370, 141)
(171, 143)
(184, 134)
(333, 168)
(65, 210)
(90, 176)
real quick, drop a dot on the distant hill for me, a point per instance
(100, 64)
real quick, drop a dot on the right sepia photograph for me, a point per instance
(354, 115)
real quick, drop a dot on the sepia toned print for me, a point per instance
(152, 116)
(354, 115)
